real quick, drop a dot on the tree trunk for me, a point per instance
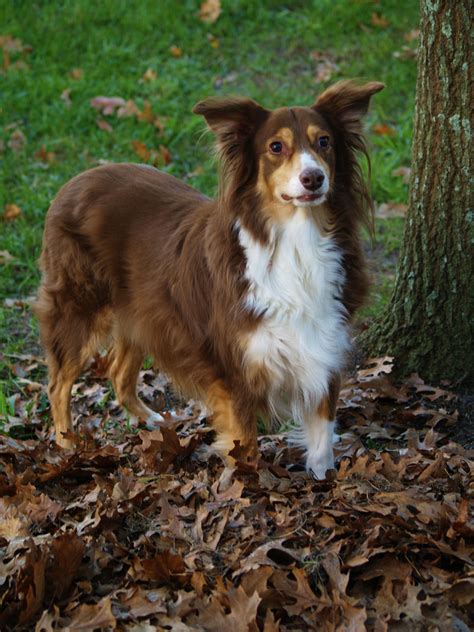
(428, 325)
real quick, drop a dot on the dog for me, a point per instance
(245, 300)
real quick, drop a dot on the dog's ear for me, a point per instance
(346, 102)
(228, 118)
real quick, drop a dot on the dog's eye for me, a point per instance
(276, 147)
(323, 142)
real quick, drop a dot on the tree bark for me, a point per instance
(428, 325)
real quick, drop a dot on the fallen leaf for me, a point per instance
(176, 51)
(129, 109)
(378, 20)
(377, 367)
(391, 209)
(210, 11)
(141, 150)
(146, 115)
(406, 52)
(411, 35)
(404, 172)
(12, 211)
(164, 568)
(17, 141)
(66, 97)
(383, 129)
(89, 617)
(107, 105)
(76, 73)
(165, 154)
(149, 75)
(325, 70)
(45, 156)
(101, 124)
(67, 551)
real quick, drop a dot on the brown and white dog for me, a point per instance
(245, 301)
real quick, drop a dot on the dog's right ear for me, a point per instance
(231, 118)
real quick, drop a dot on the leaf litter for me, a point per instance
(145, 528)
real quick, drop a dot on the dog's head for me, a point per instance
(293, 156)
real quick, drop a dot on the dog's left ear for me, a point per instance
(346, 102)
(231, 117)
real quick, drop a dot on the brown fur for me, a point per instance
(136, 260)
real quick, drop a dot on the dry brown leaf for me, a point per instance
(325, 70)
(299, 590)
(383, 129)
(149, 75)
(411, 35)
(11, 211)
(45, 156)
(32, 583)
(404, 172)
(13, 526)
(76, 73)
(17, 140)
(141, 150)
(210, 11)
(65, 96)
(164, 568)
(107, 105)
(89, 617)
(378, 20)
(146, 115)
(377, 367)
(391, 209)
(165, 154)
(103, 125)
(242, 615)
(129, 109)
(67, 551)
(176, 51)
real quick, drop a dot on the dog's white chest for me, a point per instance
(295, 283)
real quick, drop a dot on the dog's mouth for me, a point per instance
(309, 197)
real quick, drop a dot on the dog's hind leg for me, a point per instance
(127, 360)
(69, 335)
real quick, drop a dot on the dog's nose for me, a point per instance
(312, 179)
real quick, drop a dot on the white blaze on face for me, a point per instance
(289, 183)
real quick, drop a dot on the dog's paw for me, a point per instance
(318, 465)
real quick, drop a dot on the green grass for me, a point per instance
(264, 48)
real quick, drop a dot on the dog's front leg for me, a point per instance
(231, 422)
(316, 434)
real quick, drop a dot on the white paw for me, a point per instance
(316, 437)
(318, 464)
(154, 417)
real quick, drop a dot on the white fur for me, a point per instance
(296, 284)
(316, 437)
(293, 186)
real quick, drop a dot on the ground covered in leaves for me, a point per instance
(144, 529)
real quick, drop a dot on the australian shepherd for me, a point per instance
(245, 301)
